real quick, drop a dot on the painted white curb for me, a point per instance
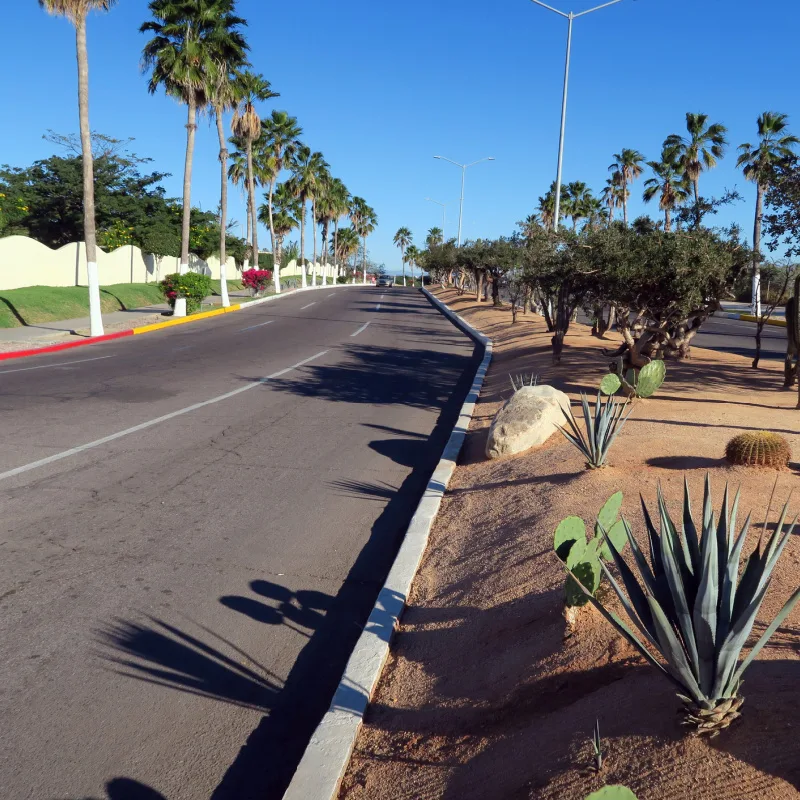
(328, 753)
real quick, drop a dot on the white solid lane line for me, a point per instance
(149, 424)
(308, 306)
(260, 325)
(362, 328)
(46, 366)
(331, 294)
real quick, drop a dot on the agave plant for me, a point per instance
(693, 609)
(601, 429)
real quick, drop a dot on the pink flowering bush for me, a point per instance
(257, 280)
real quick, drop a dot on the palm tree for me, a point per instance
(625, 169)
(434, 238)
(364, 222)
(76, 12)
(281, 133)
(613, 194)
(222, 93)
(251, 89)
(340, 198)
(699, 151)
(306, 168)
(412, 255)
(237, 173)
(321, 177)
(326, 213)
(578, 196)
(669, 183)
(285, 210)
(775, 144)
(595, 213)
(192, 38)
(346, 245)
(402, 239)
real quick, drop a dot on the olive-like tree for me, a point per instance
(76, 11)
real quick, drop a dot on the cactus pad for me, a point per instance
(758, 448)
(569, 531)
(651, 376)
(588, 573)
(610, 383)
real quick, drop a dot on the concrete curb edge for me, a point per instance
(327, 755)
(777, 321)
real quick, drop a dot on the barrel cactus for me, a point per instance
(759, 449)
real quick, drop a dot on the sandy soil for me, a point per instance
(483, 697)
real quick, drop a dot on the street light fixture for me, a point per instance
(444, 213)
(570, 17)
(463, 173)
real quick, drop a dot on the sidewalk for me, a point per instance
(43, 334)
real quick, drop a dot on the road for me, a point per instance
(735, 336)
(196, 523)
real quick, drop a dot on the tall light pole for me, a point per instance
(570, 17)
(444, 214)
(463, 174)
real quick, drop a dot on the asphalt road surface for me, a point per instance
(736, 336)
(195, 526)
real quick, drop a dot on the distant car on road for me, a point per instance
(385, 280)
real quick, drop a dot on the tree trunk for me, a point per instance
(303, 241)
(223, 207)
(314, 237)
(251, 189)
(336, 242)
(625, 204)
(191, 129)
(89, 232)
(759, 329)
(364, 260)
(667, 221)
(756, 299)
(696, 184)
(478, 285)
(276, 257)
(496, 291)
(248, 249)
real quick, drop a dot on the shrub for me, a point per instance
(615, 792)
(758, 448)
(257, 280)
(692, 609)
(192, 285)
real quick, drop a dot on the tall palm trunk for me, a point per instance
(696, 184)
(314, 237)
(276, 259)
(403, 259)
(667, 220)
(756, 301)
(223, 207)
(325, 224)
(625, 203)
(247, 239)
(183, 268)
(251, 190)
(303, 241)
(336, 244)
(89, 232)
(364, 260)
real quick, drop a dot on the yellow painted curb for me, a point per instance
(157, 326)
(781, 323)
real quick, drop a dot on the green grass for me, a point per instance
(34, 304)
(233, 286)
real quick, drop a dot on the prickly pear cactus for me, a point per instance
(569, 531)
(650, 378)
(610, 383)
(588, 573)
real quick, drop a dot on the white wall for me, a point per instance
(26, 262)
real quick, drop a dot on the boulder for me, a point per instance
(528, 419)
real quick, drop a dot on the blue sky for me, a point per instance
(380, 88)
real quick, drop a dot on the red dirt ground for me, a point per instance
(483, 697)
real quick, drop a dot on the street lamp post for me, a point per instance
(570, 17)
(463, 174)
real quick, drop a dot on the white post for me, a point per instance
(756, 302)
(303, 283)
(557, 211)
(95, 317)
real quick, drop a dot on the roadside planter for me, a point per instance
(258, 281)
(185, 293)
